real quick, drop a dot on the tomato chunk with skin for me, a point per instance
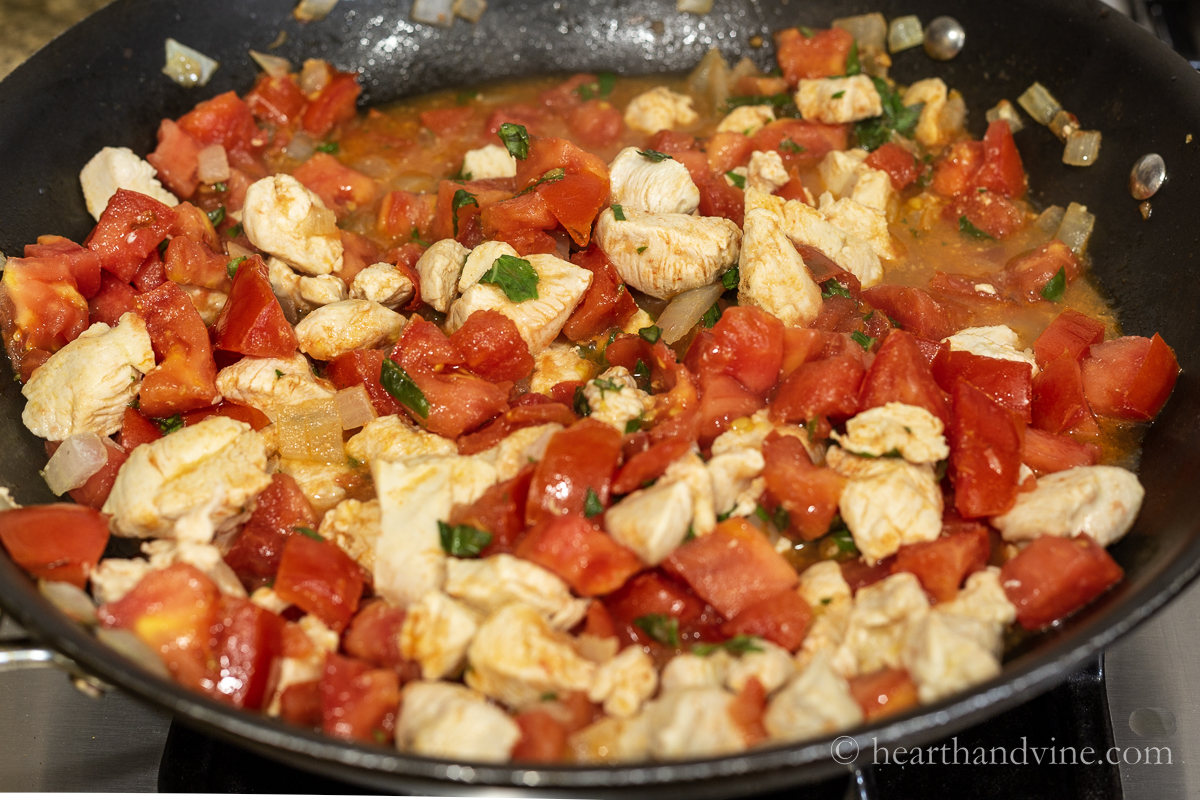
(943, 564)
(1002, 170)
(829, 387)
(1070, 332)
(722, 400)
(83, 264)
(336, 103)
(606, 304)
(588, 559)
(543, 738)
(915, 310)
(1009, 383)
(750, 343)
(500, 511)
(281, 508)
(883, 693)
(320, 578)
(247, 414)
(1045, 452)
(131, 226)
(1130, 377)
(900, 374)
(357, 702)
(362, 368)
(646, 594)
(596, 123)
(898, 163)
(955, 172)
(649, 465)
(1054, 577)
(990, 212)
(58, 542)
(300, 704)
(341, 188)
(580, 458)
(1029, 273)
(808, 493)
(374, 637)
(521, 415)
(732, 568)
(176, 159)
(1059, 403)
(114, 299)
(40, 308)
(492, 347)
(277, 99)
(782, 618)
(186, 375)
(458, 402)
(985, 453)
(137, 430)
(252, 322)
(799, 142)
(248, 640)
(808, 54)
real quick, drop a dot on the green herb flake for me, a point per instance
(415, 238)
(463, 541)
(606, 385)
(863, 339)
(811, 428)
(853, 65)
(1054, 288)
(838, 95)
(309, 532)
(462, 98)
(398, 384)
(779, 518)
(605, 83)
(654, 155)
(840, 535)
(580, 404)
(877, 131)
(618, 213)
(737, 180)
(379, 736)
(831, 288)
(661, 628)
(278, 374)
(548, 697)
(641, 374)
(232, 267)
(352, 462)
(461, 198)
(234, 231)
(592, 507)
(641, 250)
(328, 147)
(788, 146)
(807, 32)
(633, 426)
(939, 469)
(966, 227)
(169, 424)
(162, 247)
(650, 333)
(515, 276)
(711, 316)
(217, 216)
(737, 646)
(220, 187)
(516, 139)
(731, 278)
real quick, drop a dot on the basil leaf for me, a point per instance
(831, 287)
(787, 145)
(515, 277)
(398, 384)
(853, 65)
(780, 518)
(169, 424)
(328, 147)
(862, 339)
(654, 156)
(641, 250)
(232, 267)
(840, 535)
(838, 95)
(807, 32)
(737, 646)
(217, 216)
(877, 131)
(234, 231)
(580, 404)
(1054, 288)
(711, 316)
(463, 541)
(461, 198)
(309, 532)
(592, 507)
(618, 213)
(516, 139)
(966, 227)
(278, 374)
(220, 187)
(641, 374)
(650, 333)
(731, 278)
(737, 180)
(661, 628)
(605, 83)
(634, 425)
(415, 238)
(606, 385)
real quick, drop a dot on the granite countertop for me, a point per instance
(26, 25)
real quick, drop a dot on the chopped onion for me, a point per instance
(1083, 148)
(235, 250)
(710, 79)
(1076, 227)
(313, 10)
(212, 164)
(311, 431)
(1063, 124)
(740, 70)
(301, 147)
(354, 407)
(433, 12)
(69, 599)
(562, 244)
(1039, 103)
(314, 76)
(186, 66)
(694, 6)
(1050, 219)
(126, 643)
(905, 32)
(77, 459)
(954, 114)
(1008, 112)
(685, 310)
(275, 66)
(470, 10)
(869, 30)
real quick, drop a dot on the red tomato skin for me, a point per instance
(131, 226)
(225, 120)
(985, 453)
(990, 212)
(1070, 332)
(339, 187)
(1053, 577)
(522, 415)
(446, 121)
(782, 618)
(1002, 170)
(175, 159)
(589, 560)
(248, 640)
(812, 140)
(898, 163)
(252, 322)
(652, 592)
(492, 347)
(916, 311)
(188, 262)
(58, 542)
(150, 274)
(1059, 401)
(335, 104)
(722, 400)
(401, 213)
(458, 402)
(732, 568)
(1048, 452)
(649, 465)
(254, 556)
(575, 201)
(300, 704)
(955, 172)
(820, 55)
(808, 493)
(137, 430)
(226, 408)
(943, 564)
(357, 702)
(543, 738)
(500, 511)
(884, 693)
(829, 387)
(858, 574)
(750, 343)
(596, 123)
(1009, 383)
(579, 458)
(83, 264)
(374, 637)
(40, 309)
(801, 345)
(1029, 273)
(362, 367)
(726, 150)
(1130, 378)
(486, 193)
(276, 99)
(900, 374)
(607, 303)
(186, 374)
(319, 578)
(114, 299)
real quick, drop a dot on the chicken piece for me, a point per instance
(983, 598)
(559, 363)
(826, 632)
(611, 741)
(489, 584)
(266, 598)
(218, 464)
(816, 702)
(772, 273)
(690, 469)
(733, 475)
(303, 292)
(480, 260)
(887, 502)
(896, 428)
(640, 183)
(517, 658)
(1101, 501)
(689, 671)
(324, 485)
(162, 553)
(749, 433)
(660, 109)
(113, 578)
(823, 583)
(561, 285)
(768, 662)
(354, 526)
(119, 168)
(746, 119)
(489, 161)
(271, 384)
(838, 100)
(652, 522)
(876, 627)
(348, 325)
(414, 495)
(86, 385)
(860, 222)
(283, 218)
(639, 320)
(693, 723)
(766, 172)
(932, 92)
(439, 269)
(519, 449)
(846, 175)
(393, 438)
(623, 683)
(383, 284)
(945, 653)
(839, 170)
(447, 720)
(615, 399)
(993, 341)
(311, 667)
(436, 633)
(321, 290)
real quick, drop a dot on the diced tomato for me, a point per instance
(500, 511)
(915, 310)
(150, 274)
(543, 738)
(186, 374)
(672, 142)
(722, 400)
(319, 578)
(548, 153)
(650, 593)
(677, 412)
(276, 99)
(530, 117)
(1059, 402)
(746, 710)
(358, 702)
(58, 542)
(358, 253)
(300, 704)
(339, 187)
(1130, 377)
(575, 200)
(527, 212)
(726, 150)
(955, 172)
(131, 226)
(1054, 577)
(599, 622)
(799, 346)
(401, 213)
(374, 637)
(335, 104)
(943, 564)
(226, 408)
(1002, 170)
(1070, 332)
(137, 430)
(829, 387)
(799, 141)
(252, 322)
(453, 223)
(193, 223)
(750, 343)
(581, 458)
(990, 212)
(607, 303)
(424, 344)
(175, 158)
(858, 574)
(782, 618)
(1009, 383)
(985, 453)
(808, 493)
(362, 368)
(732, 568)
(83, 264)
(447, 121)
(567, 95)
(1029, 273)
(40, 309)
(191, 263)
(649, 465)
(1048, 452)
(281, 508)
(248, 640)
(458, 402)
(588, 559)
(900, 374)
(898, 163)
(493, 347)
(807, 54)
(225, 120)
(95, 491)
(525, 413)
(596, 123)
(883, 693)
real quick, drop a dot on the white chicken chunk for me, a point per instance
(447, 720)
(557, 364)
(772, 273)
(323, 484)
(480, 260)
(859, 221)
(826, 632)
(992, 341)
(384, 284)
(693, 723)
(489, 161)
(688, 670)
(86, 385)
(354, 526)
(766, 172)
(746, 119)
(1100, 501)
(982, 598)
(207, 302)
(749, 433)
(491, 583)
(615, 399)
(639, 320)
(611, 740)
(666, 254)
(816, 702)
(690, 470)
(347, 325)
(932, 92)
(393, 438)
(517, 658)
(624, 682)
(768, 662)
(652, 522)
(218, 464)
(910, 431)
(887, 502)
(113, 578)
(660, 109)
(823, 583)
(946, 653)
(846, 175)
(877, 624)
(837, 100)
(119, 168)
(733, 475)
(320, 290)
(519, 449)
(271, 384)
(438, 270)
(436, 633)
(640, 183)
(283, 218)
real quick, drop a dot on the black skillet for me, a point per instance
(100, 84)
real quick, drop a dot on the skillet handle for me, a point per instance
(24, 655)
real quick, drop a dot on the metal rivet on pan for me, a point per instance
(944, 38)
(1148, 176)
